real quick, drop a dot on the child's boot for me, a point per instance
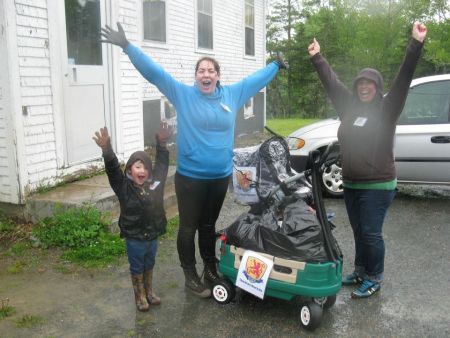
(139, 292)
(148, 284)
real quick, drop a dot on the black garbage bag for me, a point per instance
(292, 233)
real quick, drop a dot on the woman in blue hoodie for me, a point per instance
(206, 115)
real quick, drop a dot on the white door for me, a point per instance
(86, 87)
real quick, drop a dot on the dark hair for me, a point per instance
(210, 59)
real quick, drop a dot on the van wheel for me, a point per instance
(332, 182)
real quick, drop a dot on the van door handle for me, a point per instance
(440, 139)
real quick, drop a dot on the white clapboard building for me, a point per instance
(59, 84)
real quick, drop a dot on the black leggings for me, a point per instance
(199, 204)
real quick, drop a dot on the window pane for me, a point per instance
(204, 6)
(249, 16)
(427, 104)
(154, 20)
(249, 41)
(83, 32)
(205, 34)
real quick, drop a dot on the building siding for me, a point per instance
(7, 179)
(36, 92)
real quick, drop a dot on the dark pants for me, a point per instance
(141, 255)
(366, 210)
(199, 204)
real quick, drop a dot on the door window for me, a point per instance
(428, 103)
(83, 32)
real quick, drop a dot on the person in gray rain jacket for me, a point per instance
(366, 136)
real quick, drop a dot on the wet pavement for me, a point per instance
(414, 300)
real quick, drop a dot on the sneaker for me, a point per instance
(194, 284)
(366, 289)
(352, 279)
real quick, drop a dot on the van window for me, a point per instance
(428, 103)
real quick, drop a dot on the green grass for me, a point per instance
(6, 310)
(28, 321)
(286, 126)
(172, 229)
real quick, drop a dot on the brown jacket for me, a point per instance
(367, 130)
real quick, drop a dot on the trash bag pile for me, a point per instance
(283, 224)
(295, 234)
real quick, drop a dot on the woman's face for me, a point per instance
(206, 77)
(367, 89)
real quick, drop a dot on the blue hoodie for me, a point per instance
(205, 122)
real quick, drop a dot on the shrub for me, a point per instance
(105, 250)
(71, 228)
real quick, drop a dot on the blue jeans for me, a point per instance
(366, 210)
(141, 255)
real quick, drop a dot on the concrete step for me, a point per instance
(94, 191)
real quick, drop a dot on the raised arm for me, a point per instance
(149, 69)
(112, 166)
(398, 92)
(162, 154)
(338, 93)
(252, 84)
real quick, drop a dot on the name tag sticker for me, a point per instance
(154, 185)
(225, 107)
(360, 121)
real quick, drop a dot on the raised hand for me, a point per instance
(314, 48)
(164, 133)
(419, 31)
(282, 62)
(117, 38)
(102, 139)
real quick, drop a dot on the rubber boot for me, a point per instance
(148, 285)
(139, 292)
(210, 272)
(194, 284)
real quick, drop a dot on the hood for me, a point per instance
(373, 75)
(326, 128)
(142, 156)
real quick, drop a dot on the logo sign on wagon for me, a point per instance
(253, 273)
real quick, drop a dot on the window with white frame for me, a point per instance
(154, 17)
(250, 27)
(204, 24)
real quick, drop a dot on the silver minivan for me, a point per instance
(422, 138)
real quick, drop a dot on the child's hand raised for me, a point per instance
(164, 133)
(102, 139)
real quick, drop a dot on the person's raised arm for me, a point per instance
(252, 84)
(149, 69)
(338, 93)
(117, 37)
(396, 97)
(112, 166)
(162, 154)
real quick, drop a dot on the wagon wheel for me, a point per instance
(223, 292)
(310, 315)
(325, 302)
